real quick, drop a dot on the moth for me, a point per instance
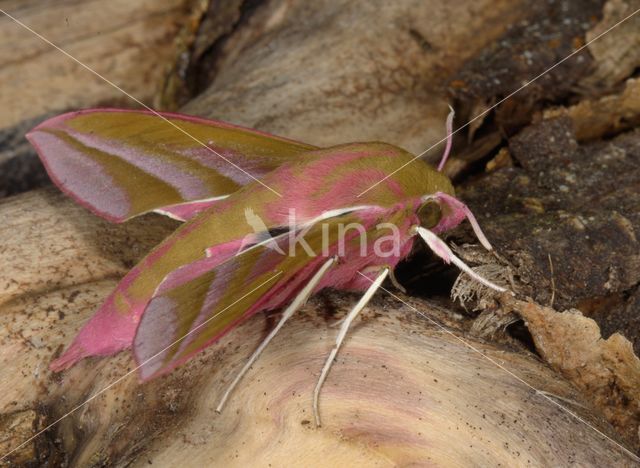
(268, 222)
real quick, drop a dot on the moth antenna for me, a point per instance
(461, 207)
(298, 302)
(442, 250)
(447, 149)
(340, 338)
(477, 230)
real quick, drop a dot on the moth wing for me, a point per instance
(195, 305)
(123, 163)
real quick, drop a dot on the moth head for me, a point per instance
(430, 214)
(440, 212)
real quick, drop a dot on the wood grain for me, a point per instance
(402, 392)
(129, 43)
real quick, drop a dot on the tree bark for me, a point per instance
(403, 389)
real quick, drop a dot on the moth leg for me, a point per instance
(340, 338)
(395, 282)
(447, 149)
(442, 250)
(299, 301)
(392, 277)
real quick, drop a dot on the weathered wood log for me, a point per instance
(403, 391)
(352, 71)
(132, 44)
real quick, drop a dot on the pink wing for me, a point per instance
(113, 326)
(198, 303)
(122, 163)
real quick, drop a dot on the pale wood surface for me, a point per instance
(129, 42)
(402, 391)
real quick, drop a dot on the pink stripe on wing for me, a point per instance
(189, 186)
(94, 189)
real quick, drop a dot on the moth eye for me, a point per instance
(430, 214)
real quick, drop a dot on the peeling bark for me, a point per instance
(607, 370)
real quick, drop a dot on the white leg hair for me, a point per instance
(298, 302)
(442, 250)
(340, 338)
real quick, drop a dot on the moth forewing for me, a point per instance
(202, 302)
(141, 163)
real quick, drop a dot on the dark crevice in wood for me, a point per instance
(204, 63)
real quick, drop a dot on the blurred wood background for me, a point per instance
(552, 173)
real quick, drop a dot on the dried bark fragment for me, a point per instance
(606, 115)
(578, 206)
(597, 70)
(607, 371)
(617, 53)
